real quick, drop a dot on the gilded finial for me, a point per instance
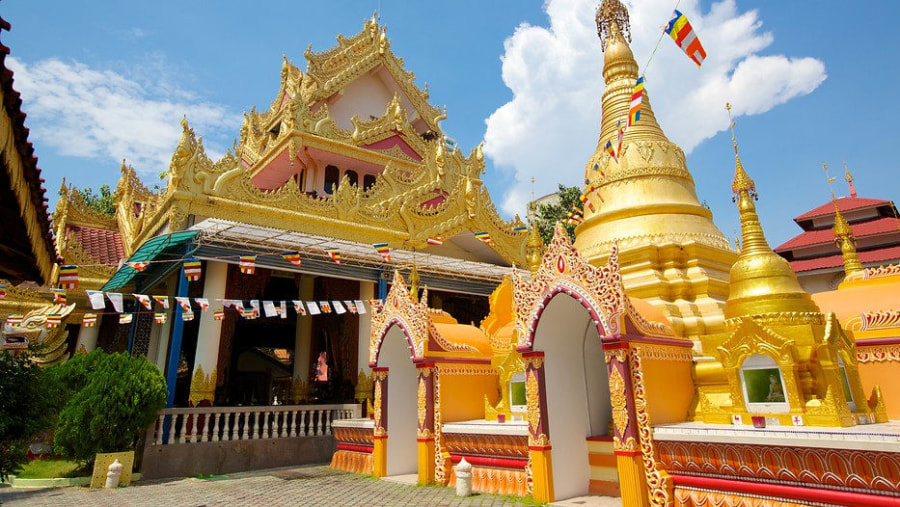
(843, 238)
(742, 182)
(737, 243)
(829, 179)
(414, 283)
(849, 178)
(124, 167)
(612, 18)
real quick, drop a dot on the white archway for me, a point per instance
(395, 354)
(577, 386)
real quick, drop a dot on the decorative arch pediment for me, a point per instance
(598, 289)
(750, 338)
(400, 309)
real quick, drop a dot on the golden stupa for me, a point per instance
(671, 253)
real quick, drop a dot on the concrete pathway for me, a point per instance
(311, 485)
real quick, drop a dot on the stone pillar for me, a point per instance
(87, 337)
(366, 292)
(538, 427)
(379, 452)
(626, 439)
(303, 337)
(425, 427)
(206, 360)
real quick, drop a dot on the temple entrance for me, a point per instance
(401, 403)
(577, 386)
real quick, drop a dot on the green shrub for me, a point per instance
(24, 410)
(108, 403)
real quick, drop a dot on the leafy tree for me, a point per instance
(24, 409)
(546, 215)
(120, 397)
(104, 203)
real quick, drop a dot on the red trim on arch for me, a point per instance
(395, 321)
(592, 313)
(828, 496)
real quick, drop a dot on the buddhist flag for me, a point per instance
(383, 249)
(187, 316)
(59, 296)
(269, 309)
(435, 241)
(96, 299)
(162, 301)
(298, 307)
(184, 303)
(160, 317)
(574, 217)
(53, 320)
(621, 130)
(203, 303)
(313, 308)
(585, 200)
(360, 307)
(325, 306)
(248, 264)
(116, 299)
(125, 318)
(282, 310)
(254, 304)
(68, 277)
(89, 320)
(484, 237)
(338, 307)
(2, 291)
(137, 266)
(219, 315)
(637, 97)
(144, 300)
(14, 319)
(335, 255)
(679, 28)
(192, 270)
(611, 150)
(351, 307)
(292, 257)
(520, 228)
(238, 305)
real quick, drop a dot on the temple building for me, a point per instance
(815, 257)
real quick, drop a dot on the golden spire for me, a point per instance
(849, 178)
(843, 238)
(761, 281)
(414, 283)
(534, 247)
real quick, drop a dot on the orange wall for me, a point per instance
(669, 390)
(462, 396)
(883, 374)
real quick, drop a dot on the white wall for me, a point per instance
(577, 391)
(402, 403)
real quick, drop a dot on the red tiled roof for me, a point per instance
(833, 261)
(12, 103)
(844, 204)
(102, 245)
(860, 230)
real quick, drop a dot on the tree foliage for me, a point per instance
(24, 410)
(104, 202)
(108, 404)
(547, 215)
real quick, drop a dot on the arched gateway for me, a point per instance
(586, 359)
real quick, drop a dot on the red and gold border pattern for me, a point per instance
(497, 481)
(878, 354)
(505, 446)
(355, 462)
(693, 497)
(658, 482)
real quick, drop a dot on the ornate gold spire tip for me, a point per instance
(742, 182)
(611, 13)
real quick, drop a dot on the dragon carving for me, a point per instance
(33, 330)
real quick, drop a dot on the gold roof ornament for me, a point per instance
(761, 281)
(843, 238)
(414, 284)
(612, 18)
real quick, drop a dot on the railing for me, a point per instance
(215, 424)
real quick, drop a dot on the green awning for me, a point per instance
(157, 251)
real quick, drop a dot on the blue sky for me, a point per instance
(106, 80)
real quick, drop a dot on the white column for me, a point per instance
(366, 292)
(303, 338)
(162, 346)
(87, 336)
(203, 382)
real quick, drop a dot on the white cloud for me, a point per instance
(101, 114)
(550, 127)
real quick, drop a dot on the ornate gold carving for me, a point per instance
(422, 402)
(379, 424)
(878, 354)
(658, 481)
(664, 353)
(33, 328)
(533, 400)
(619, 400)
(870, 321)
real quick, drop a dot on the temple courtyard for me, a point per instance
(312, 485)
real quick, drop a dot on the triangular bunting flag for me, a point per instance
(59, 296)
(68, 277)
(338, 307)
(282, 310)
(383, 249)
(299, 308)
(187, 316)
(360, 307)
(313, 308)
(116, 299)
(292, 257)
(248, 264)
(96, 299)
(521, 228)
(637, 97)
(162, 301)
(681, 31)
(2, 291)
(269, 309)
(351, 307)
(334, 254)
(203, 303)
(144, 300)
(137, 266)
(325, 306)
(254, 304)
(184, 303)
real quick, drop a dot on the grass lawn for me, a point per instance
(46, 469)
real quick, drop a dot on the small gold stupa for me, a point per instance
(671, 253)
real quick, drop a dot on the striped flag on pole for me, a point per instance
(611, 150)
(292, 257)
(248, 264)
(637, 97)
(681, 31)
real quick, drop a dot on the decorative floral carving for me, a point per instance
(422, 403)
(878, 354)
(619, 401)
(658, 484)
(533, 400)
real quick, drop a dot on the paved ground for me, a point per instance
(316, 485)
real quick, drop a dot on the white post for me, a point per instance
(87, 337)
(303, 338)
(113, 475)
(366, 292)
(203, 383)
(463, 478)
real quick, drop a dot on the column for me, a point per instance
(303, 341)
(379, 451)
(206, 360)
(177, 330)
(87, 337)
(626, 439)
(538, 427)
(162, 345)
(425, 426)
(366, 292)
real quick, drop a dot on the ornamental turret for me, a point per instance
(843, 238)
(671, 252)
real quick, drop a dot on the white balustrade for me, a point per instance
(214, 424)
